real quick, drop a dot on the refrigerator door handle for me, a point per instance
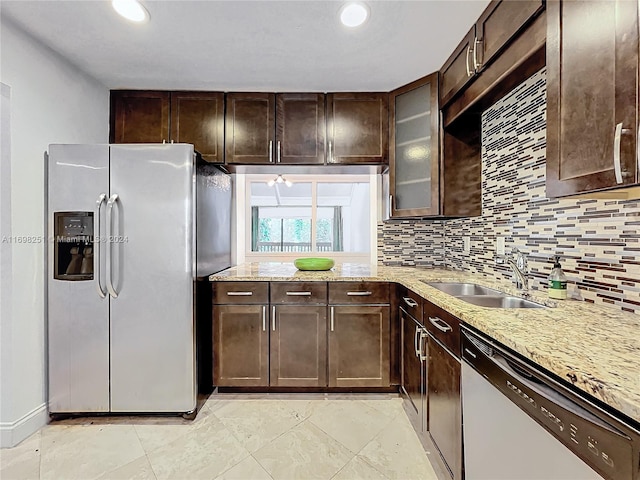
(96, 245)
(110, 203)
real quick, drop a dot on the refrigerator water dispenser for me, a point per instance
(73, 252)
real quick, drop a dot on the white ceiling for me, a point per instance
(273, 46)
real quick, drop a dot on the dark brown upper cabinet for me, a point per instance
(250, 125)
(592, 95)
(300, 128)
(358, 128)
(156, 117)
(287, 128)
(139, 116)
(198, 118)
(414, 179)
(499, 23)
(458, 70)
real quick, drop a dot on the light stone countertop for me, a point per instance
(596, 348)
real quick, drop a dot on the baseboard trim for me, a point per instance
(12, 433)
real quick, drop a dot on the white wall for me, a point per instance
(52, 101)
(359, 223)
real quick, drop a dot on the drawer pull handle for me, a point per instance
(437, 322)
(358, 294)
(239, 294)
(299, 294)
(410, 301)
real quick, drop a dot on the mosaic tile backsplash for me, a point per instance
(598, 240)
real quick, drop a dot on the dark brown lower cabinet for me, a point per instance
(240, 345)
(298, 346)
(359, 346)
(444, 411)
(414, 372)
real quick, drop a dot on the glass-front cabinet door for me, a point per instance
(414, 158)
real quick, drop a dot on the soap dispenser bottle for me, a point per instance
(557, 282)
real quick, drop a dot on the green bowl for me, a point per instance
(314, 263)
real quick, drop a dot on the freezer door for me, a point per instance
(151, 272)
(78, 317)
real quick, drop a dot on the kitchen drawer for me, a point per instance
(350, 293)
(411, 302)
(443, 326)
(299, 293)
(240, 293)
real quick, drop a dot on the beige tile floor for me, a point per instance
(234, 437)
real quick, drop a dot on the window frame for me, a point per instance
(244, 221)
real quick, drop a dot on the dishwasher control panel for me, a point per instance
(599, 440)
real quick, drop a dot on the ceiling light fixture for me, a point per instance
(279, 179)
(132, 10)
(354, 14)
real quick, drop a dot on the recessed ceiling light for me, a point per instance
(354, 14)
(131, 10)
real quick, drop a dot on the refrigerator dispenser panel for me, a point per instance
(73, 249)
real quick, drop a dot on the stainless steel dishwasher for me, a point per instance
(520, 423)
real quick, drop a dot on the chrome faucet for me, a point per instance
(518, 263)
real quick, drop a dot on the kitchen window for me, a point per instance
(327, 216)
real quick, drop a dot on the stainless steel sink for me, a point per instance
(499, 301)
(463, 289)
(482, 296)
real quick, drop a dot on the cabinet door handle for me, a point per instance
(410, 301)
(415, 341)
(617, 166)
(358, 294)
(332, 318)
(264, 318)
(469, 73)
(273, 318)
(278, 152)
(270, 151)
(239, 294)
(638, 149)
(616, 153)
(438, 323)
(476, 65)
(330, 153)
(391, 205)
(423, 352)
(299, 294)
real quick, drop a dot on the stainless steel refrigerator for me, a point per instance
(122, 260)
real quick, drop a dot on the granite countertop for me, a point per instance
(596, 348)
